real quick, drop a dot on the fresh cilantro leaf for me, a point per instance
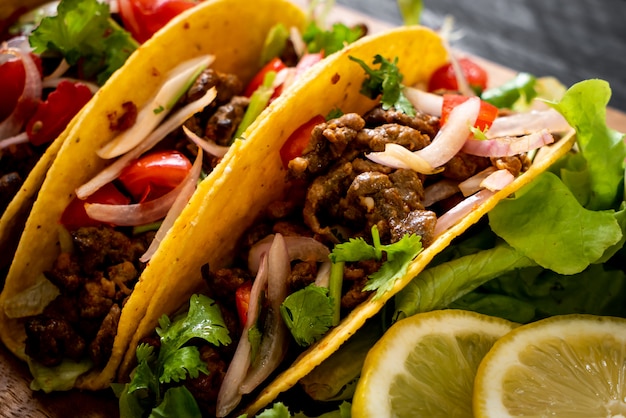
(203, 320)
(84, 30)
(387, 82)
(308, 313)
(177, 402)
(356, 249)
(399, 255)
(182, 362)
(329, 41)
(334, 114)
(175, 361)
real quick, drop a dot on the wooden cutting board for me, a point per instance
(17, 400)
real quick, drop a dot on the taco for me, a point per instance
(53, 57)
(63, 253)
(248, 218)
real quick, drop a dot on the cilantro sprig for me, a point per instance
(84, 30)
(398, 257)
(175, 361)
(318, 39)
(386, 81)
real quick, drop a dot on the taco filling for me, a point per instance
(357, 210)
(113, 226)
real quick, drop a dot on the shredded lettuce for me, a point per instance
(58, 378)
(280, 410)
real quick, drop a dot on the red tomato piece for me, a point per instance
(275, 64)
(53, 115)
(142, 18)
(242, 300)
(154, 174)
(486, 114)
(75, 216)
(12, 79)
(444, 77)
(298, 140)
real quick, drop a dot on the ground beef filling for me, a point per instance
(94, 281)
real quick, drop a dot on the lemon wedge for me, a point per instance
(564, 366)
(424, 365)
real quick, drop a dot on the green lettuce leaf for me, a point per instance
(584, 108)
(546, 223)
(57, 378)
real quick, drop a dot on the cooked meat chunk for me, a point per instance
(50, 340)
(226, 119)
(227, 85)
(101, 347)
(223, 283)
(419, 222)
(426, 124)
(462, 166)
(375, 139)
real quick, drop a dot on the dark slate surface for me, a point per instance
(570, 39)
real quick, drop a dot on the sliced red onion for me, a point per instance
(298, 248)
(59, 71)
(508, 146)
(31, 93)
(209, 146)
(439, 191)
(424, 101)
(111, 172)
(296, 39)
(323, 274)
(150, 211)
(528, 122)
(188, 188)
(472, 184)
(275, 341)
(149, 117)
(462, 84)
(497, 180)
(21, 138)
(229, 397)
(446, 144)
(461, 210)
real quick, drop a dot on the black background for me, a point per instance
(572, 40)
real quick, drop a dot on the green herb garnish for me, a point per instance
(387, 83)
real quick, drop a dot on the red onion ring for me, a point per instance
(298, 248)
(461, 210)
(209, 146)
(275, 341)
(508, 146)
(188, 188)
(229, 397)
(528, 122)
(150, 211)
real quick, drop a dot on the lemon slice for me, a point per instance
(564, 366)
(424, 365)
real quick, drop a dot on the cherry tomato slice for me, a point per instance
(444, 78)
(53, 115)
(298, 140)
(154, 174)
(75, 216)
(142, 18)
(275, 64)
(242, 300)
(486, 114)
